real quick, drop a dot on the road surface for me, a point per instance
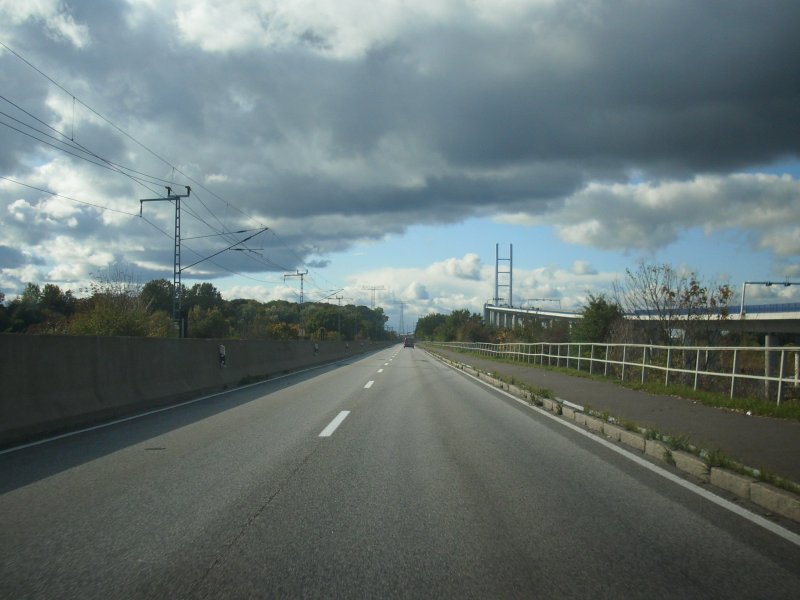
(423, 483)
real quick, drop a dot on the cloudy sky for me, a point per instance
(394, 143)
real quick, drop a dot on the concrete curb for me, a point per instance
(776, 500)
(689, 463)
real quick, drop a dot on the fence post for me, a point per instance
(696, 368)
(796, 369)
(605, 368)
(644, 361)
(780, 377)
(591, 360)
(624, 360)
(769, 342)
(579, 356)
(734, 368)
(669, 359)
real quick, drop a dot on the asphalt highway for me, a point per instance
(388, 476)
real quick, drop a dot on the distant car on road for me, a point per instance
(408, 342)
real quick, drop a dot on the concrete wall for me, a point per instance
(51, 383)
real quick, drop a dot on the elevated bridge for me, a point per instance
(752, 318)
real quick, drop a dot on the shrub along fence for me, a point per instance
(739, 371)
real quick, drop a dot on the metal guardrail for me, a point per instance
(702, 365)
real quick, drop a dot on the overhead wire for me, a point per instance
(130, 214)
(110, 165)
(71, 143)
(38, 189)
(126, 171)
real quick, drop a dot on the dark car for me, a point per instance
(408, 343)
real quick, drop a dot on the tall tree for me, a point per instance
(203, 295)
(671, 305)
(24, 310)
(55, 307)
(114, 308)
(599, 316)
(208, 323)
(157, 295)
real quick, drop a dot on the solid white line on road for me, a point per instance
(369, 385)
(328, 431)
(380, 370)
(786, 534)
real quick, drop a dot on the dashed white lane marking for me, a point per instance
(328, 431)
(380, 370)
(369, 385)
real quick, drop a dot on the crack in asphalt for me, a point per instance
(226, 548)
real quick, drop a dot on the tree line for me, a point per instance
(118, 306)
(653, 303)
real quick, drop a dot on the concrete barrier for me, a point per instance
(52, 383)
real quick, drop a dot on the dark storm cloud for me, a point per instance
(684, 86)
(434, 122)
(11, 258)
(670, 90)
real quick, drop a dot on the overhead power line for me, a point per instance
(70, 146)
(98, 206)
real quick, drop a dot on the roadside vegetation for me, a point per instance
(117, 305)
(664, 307)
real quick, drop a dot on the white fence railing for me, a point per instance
(702, 367)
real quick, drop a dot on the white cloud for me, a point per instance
(216, 178)
(69, 251)
(260, 293)
(415, 291)
(583, 267)
(343, 29)
(55, 15)
(441, 288)
(651, 215)
(345, 121)
(20, 210)
(468, 267)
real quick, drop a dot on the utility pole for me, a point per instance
(401, 326)
(176, 270)
(301, 276)
(373, 289)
